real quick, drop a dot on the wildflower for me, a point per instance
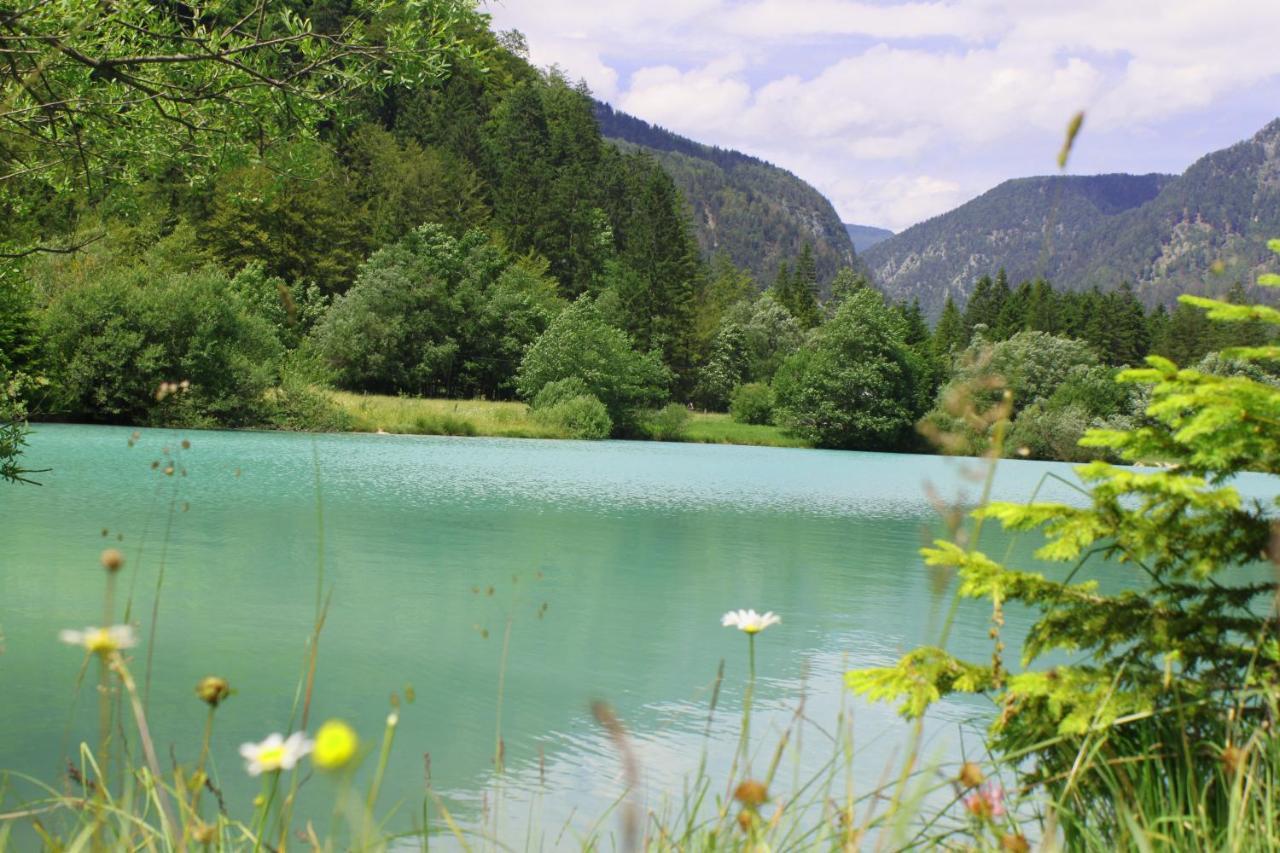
(275, 753)
(970, 775)
(749, 621)
(101, 641)
(336, 743)
(213, 690)
(751, 794)
(986, 803)
(112, 560)
(746, 818)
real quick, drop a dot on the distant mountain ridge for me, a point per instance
(1196, 232)
(758, 214)
(866, 236)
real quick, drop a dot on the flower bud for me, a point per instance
(213, 690)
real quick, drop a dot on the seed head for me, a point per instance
(751, 794)
(112, 560)
(970, 775)
(213, 690)
(1015, 843)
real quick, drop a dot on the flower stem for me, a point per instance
(384, 755)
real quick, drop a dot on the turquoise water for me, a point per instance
(611, 562)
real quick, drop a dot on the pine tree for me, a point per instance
(1042, 309)
(950, 335)
(1013, 313)
(803, 291)
(660, 278)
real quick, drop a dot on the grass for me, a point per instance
(716, 428)
(425, 416)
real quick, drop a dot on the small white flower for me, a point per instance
(749, 621)
(275, 753)
(104, 641)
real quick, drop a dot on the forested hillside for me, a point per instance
(1032, 227)
(757, 214)
(1194, 233)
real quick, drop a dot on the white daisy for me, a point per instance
(275, 753)
(749, 621)
(104, 641)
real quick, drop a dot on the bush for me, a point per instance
(581, 416)
(300, 402)
(116, 339)
(560, 391)
(752, 404)
(854, 385)
(668, 423)
(580, 345)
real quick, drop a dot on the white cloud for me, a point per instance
(926, 88)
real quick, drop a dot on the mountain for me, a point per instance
(866, 236)
(758, 214)
(1196, 232)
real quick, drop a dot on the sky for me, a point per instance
(899, 111)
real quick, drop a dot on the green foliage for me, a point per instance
(797, 289)
(658, 278)
(580, 344)
(431, 314)
(1028, 367)
(560, 391)
(399, 186)
(752, 403)
(729, 362)
(581, 416)
(116, 340)
(210, 87)
(855, 384)
(668, 423)
(1180, 654)
(294, 215)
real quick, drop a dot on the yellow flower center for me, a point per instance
(336, 743)
(99, 640)
(271, 757)
(751, 629)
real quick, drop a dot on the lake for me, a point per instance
(611, 563)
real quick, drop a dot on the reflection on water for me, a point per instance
(611, 562)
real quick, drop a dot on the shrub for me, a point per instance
(668, 423)
(752, 403)
(117, 338)
(581, 416)
(560, 391)
(580, 344)
(854, 384)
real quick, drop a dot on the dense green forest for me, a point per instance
(1164, 234)
(469, 232)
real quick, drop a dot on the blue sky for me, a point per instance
(899, 111)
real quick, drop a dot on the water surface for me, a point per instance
(611, 562)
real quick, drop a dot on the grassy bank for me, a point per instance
(421, 416)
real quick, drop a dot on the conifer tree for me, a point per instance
(950, 335)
